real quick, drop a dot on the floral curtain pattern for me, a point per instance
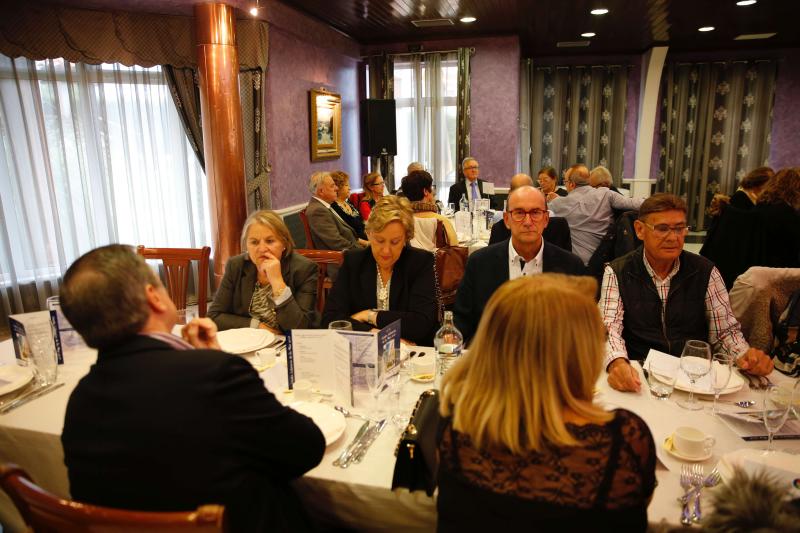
(381, 85)
(256, 167)
(715, 124)
(463, 120)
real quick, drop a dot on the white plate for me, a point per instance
(330, 421)
(422, 378)
(667, 445)
(682, 383)
(13, 377)
(244, 340)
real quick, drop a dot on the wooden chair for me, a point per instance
(44, 512)
(323, 258)
(307, 230)
(176, 267)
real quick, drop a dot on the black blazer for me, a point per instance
(487, 269)
(412, 294)
(459, 188)
(354, 221)
(154, 428)
(231, 306)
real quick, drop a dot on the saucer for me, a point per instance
(668, 447)
(423, 378)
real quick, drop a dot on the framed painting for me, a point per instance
(326, 125)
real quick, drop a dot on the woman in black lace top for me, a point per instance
(343, 207)
(524, 447)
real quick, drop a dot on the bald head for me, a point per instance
(520, 180)
(577, 174)
(526, 194)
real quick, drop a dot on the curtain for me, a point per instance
(381, 85)
(256, 170)
(182, 83)
(463, 120)
(572, 115)
(89, 155)
(715, 124)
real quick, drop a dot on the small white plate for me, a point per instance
(244, 340)
(13, 377)
(734, 385)
(330, 421)
(423, 378)
(673, 452)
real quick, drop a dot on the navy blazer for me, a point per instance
(487, 269)
(412, 294)
(460, 188)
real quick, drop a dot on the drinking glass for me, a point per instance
(343, 325)
(44, 361)
(661, 387)
(721, 375)
(396, 383)
(778, 400)
(696, 363)
(374, 378)
(451, 209)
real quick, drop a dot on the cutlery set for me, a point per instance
(357, 449)
(27, 396)
(693, 481)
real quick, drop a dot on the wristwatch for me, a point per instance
(372, 317)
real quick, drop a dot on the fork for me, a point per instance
(697, 481)
(686, 484)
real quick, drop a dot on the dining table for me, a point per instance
(360, 497)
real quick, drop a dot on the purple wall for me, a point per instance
(305, 54)
(786, 113)
(494, 135)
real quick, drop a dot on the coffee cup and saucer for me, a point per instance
(689, 444)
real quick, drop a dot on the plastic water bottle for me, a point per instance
(448, 342)
(463, 205)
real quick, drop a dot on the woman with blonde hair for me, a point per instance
(269, 286)
(373, 191)
(523, 445)
(388, 281)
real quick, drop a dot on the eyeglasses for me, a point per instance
(377, 183)
(476, 167)
(662, 230)
(518, 215)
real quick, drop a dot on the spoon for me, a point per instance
(745, 403)
(345, 412)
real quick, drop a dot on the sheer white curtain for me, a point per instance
(425, 89)
(89, 155)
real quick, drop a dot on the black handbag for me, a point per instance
(417, 462)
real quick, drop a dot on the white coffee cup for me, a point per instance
(267, 357)
(691, 442)
(302, 390)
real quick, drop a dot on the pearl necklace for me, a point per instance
(383, 292)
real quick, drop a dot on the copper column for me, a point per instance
(223, 141)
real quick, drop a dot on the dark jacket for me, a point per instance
(487, 269)
(354, 221)
(231, 305)
(460, 188)
(412, 294)
(685, 315)
(556, 232)
(154, 428)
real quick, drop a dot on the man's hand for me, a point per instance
(622, 376)
(755, 362)
(201, 333)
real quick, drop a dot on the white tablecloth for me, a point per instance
(359, 496)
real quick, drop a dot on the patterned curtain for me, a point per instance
(572, 115)
(256, 168)
(715, 124)
(463, 119)
(185, 93)
(381, 85)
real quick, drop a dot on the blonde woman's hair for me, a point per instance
(273, 221)
(368, 181)
(524, 369)
(390, 209)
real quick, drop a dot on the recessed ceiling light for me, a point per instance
(468, 19)
(745, 2)
(753, 36)
(706, 28)
(588, 34)
(254, 11)
(599, 11)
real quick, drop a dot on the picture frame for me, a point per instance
(325, 124)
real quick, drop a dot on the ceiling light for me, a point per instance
(588, 34)
(754, 36)
(599, 11)
(706, 28)
(254, 11)
(745, 2)
(468, 19)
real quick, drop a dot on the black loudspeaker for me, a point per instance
(378, 127)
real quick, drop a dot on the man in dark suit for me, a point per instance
(159, 425)
(525, 253)
(328, 231)
(471, 188)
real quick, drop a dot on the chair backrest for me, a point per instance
(323, 258)
(307, 229)
(44, 512)
(176, 269)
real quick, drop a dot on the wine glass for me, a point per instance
(696, 363)
(451, 209)
(778, 400)
(375, 381)
(721, 375)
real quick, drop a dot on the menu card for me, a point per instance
(749, 425)
(321, 356)
(66, 333)
(26, 327)
(380, 349)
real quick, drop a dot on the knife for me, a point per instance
(31, 395)
(368, 442)
(348, 451)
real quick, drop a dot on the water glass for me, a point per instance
(451, 210)
(778, 400)
(343, 325)
(696, 363)
(45, 361)
(661, 387)
(375, 381)
(721, 375)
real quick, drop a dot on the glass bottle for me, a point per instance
(448, 342)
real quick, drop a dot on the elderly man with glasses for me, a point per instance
(659, 296)
(471, 188)
(524, 254)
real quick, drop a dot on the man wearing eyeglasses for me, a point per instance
(524, 254)
(471, 188)
(659, 296)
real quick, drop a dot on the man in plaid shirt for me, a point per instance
(659, 296)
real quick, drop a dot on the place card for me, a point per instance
(25, 327)
(323, 357)
(488, 187)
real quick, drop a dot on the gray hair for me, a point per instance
(316, 181)
(600, 177)
(103, 294)
(414, 165)
(467, 160)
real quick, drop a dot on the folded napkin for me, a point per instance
(664, 364)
